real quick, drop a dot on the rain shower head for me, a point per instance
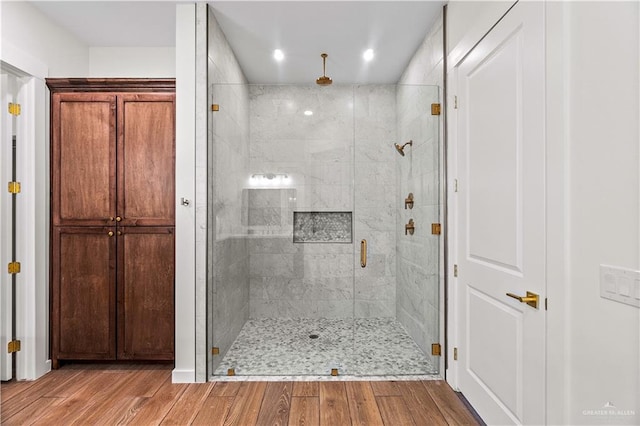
(400, 149)
(324, 80)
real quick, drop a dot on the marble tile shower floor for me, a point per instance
(356, 347)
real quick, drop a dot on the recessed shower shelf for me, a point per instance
(322, 227)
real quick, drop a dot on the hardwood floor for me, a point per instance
(144, 395)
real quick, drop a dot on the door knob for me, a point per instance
(530, 299)
(110, 233)
(118, 218)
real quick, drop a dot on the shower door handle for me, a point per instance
(363, 253)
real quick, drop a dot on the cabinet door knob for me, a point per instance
(110, 233)
(118, 218)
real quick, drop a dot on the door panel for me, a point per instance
(501, 219)
(146, 159)
(146, 293)
(83, 157)
(84, 293)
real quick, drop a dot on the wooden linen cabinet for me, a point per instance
(112, 219)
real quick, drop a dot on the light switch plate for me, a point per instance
(620, 284)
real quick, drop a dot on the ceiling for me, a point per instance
(301, 29)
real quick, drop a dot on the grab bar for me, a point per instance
(363, 253)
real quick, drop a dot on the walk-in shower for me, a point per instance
(299, 176)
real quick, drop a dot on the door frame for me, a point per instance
(32, 300)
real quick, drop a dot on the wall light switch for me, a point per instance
(620, 284)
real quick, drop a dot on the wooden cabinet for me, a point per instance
(113, 218)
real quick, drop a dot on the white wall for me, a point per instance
(603, 181)
(132, 62)
(27, 29)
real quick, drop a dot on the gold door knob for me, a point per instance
(118, 218)
(111, 219)
(119, 233)
(409, 228)
(110, 233)
(530, 299)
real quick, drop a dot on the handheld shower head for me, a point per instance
(400, 148)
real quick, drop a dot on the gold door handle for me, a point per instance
(363, 253)
(530, 299)
(110, 233)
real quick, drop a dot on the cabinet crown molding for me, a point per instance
(111, 84)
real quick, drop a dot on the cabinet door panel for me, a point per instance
(146, 293)
(146, 151)
(84, 293)
(83, 158)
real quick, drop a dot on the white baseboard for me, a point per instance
(183, 376)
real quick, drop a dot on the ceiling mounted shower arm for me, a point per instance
(324, 80)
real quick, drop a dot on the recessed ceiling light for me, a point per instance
(308, 113)
(368, 55)
(278, 55)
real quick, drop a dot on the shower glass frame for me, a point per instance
(268, 159)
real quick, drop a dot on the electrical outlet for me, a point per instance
(620, 284)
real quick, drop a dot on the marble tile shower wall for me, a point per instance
(375, 199)
(317, 152)
(418, 172)
(228, 162)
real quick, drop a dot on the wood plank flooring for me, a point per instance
(144, 395)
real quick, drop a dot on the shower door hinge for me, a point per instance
(14, 267)
(546, 304)
(215, 351)
(455, 185)
(436, 349)
(14, 109)
(455, 354)
(13, 346)
(14, 187)
(455, 102)
(435, 109)
(455, 271)
(215, 107)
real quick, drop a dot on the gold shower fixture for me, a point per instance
(324, 80)
(400, 149)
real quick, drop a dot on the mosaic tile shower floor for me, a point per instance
(356, 347)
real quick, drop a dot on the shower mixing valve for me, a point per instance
(409, 228)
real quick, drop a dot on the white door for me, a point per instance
(501, 219)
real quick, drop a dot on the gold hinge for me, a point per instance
(215, 107)
(435, 109)
(455, 354)
(231, 372)
(13, 346)
(14, 109)
(455, 102)
(14, 187)
(436, 349)
(436, 229)
(455, 271)
(14, 268)
(215, 351)
(334, 372)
